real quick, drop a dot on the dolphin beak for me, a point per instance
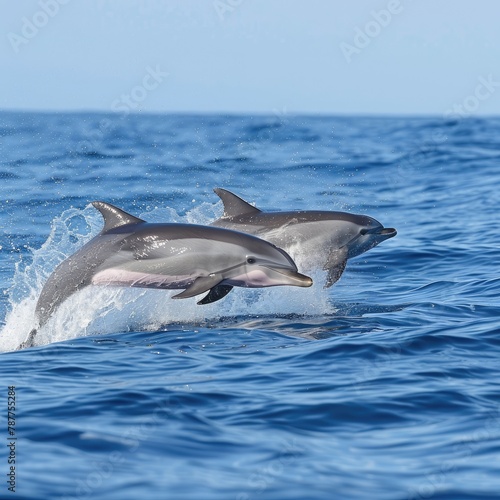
(293, 278)
(388, 232)
(384, 232)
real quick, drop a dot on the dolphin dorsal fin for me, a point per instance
(114, 217)
(234, 205)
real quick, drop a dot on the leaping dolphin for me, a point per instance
(133, 253)
(329, 238)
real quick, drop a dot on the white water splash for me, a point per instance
(103, 310)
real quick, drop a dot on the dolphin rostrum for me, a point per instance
(133, 253)
(327, 238)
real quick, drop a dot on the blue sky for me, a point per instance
(256, 56)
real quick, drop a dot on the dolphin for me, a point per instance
(133, 253)
(327, 238)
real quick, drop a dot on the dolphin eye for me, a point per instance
(363, 232)
(251, 260)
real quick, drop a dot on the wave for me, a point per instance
(96, 310)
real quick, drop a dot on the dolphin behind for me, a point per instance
(330, 238)
(197, 259)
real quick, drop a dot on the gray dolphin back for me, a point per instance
(72, 275)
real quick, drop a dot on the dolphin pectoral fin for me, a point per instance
(234, 205)
(199, 285)
(334, 273)
(216, 293)
(335, 265)
(29, 340)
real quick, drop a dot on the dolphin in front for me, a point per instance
(326, 238)
(130, 252)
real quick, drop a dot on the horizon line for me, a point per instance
(275, 113)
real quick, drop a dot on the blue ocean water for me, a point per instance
(385, 386)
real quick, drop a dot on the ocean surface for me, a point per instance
(385, 386)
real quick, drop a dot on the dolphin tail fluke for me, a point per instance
(29, 342)
(216, 293)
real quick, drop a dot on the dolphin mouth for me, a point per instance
(296, 279)
(386, 232)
